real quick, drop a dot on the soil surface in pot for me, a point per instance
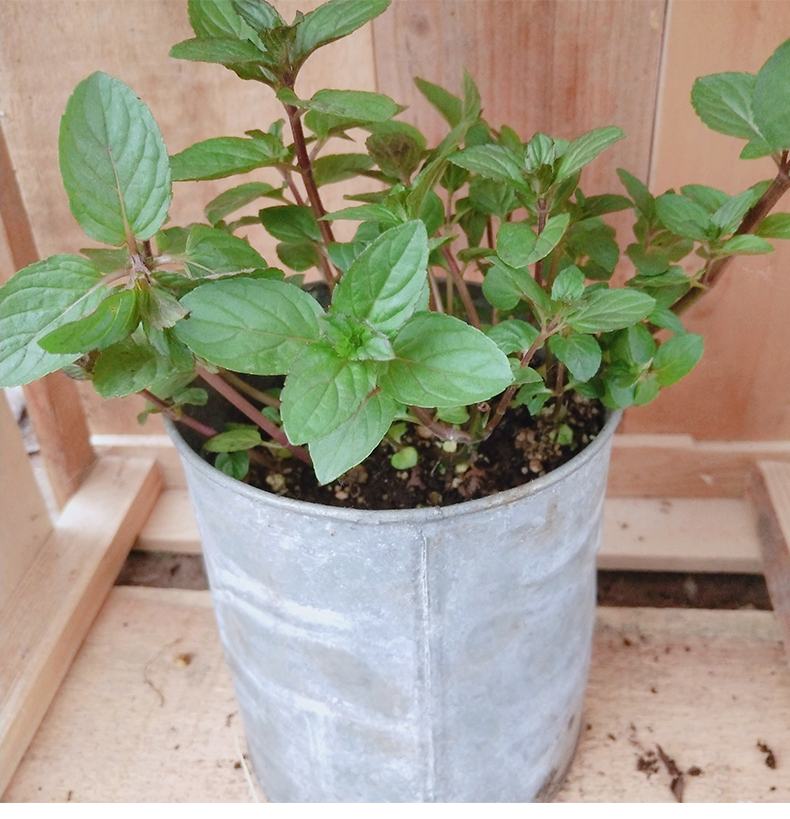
(520, 449)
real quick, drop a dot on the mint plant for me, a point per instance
(402, 338)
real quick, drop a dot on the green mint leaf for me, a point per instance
(684, 217)
(397, 148)
(513, 335)
(710, 198)
(254, 326)
(376, 212)
(594, 239)
(323, 390)
(106, 260)
(550, 237)
(579, 353)
(489, 197)
(216, 18)
(211, 251)
(242, 438)
(724, 103)
(585, 148)
(356, 106)
(444, 102)
(772, 99)
(568, 286)
(385, 283)
(641, 344)
(113, 320)
(444, 362)
(775, 226)
(234, 464)
(128, 367)
(515, 241)
(34, 302)
(258, 14)
(331, 21)
(225, 51)
(533, 394)
(676, 357)
(731, 213)
(639, 193)
(299, 256)
(604, 203)
(607, 310)
(756, 149)
(665, 318)
(494, 162)
(224, 156)
(238, 197)
(339, 167)
(354, 439)
(113, 162)
(291, 223)
(744, 244)
(505, 286)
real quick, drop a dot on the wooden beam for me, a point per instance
(48, 615)
(53, 402)
(770, 493)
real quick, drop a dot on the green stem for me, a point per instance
(178, 415)
(463, 290)
(447, 432)
(542, 213)
(248, 389)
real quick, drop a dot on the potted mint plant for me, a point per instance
(396, 444)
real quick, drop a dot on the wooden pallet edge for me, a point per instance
(770, 495)
(681, 535)
(48, 615)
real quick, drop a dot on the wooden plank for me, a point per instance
(680, 535)
(556, 67)
(48, 615)
(650, 465)
(25, 523)
(770, 493)
(52, 402)
(740, 388)
(147, 712)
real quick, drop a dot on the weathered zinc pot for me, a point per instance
(428, 655)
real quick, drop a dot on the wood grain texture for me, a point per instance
(741, 388)
(25, 523)
(52, 402)
(52, 608)
(770, 494)
(541, 65)
(677, 534)
(136, 722)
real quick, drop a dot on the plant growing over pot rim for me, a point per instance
(163, 307)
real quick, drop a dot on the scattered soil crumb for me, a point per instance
(676, 786)
(770, 759)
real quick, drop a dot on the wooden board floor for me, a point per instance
(147, 712)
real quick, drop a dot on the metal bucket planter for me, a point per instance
(429, 655)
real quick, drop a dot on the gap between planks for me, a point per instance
(680, 534)
(147, 712)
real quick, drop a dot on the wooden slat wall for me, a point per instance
(741, 388)
(561, 66)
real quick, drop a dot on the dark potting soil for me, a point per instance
(520, 449)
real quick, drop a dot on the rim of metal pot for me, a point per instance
(383, 516)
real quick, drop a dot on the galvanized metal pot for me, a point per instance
(429, 655)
